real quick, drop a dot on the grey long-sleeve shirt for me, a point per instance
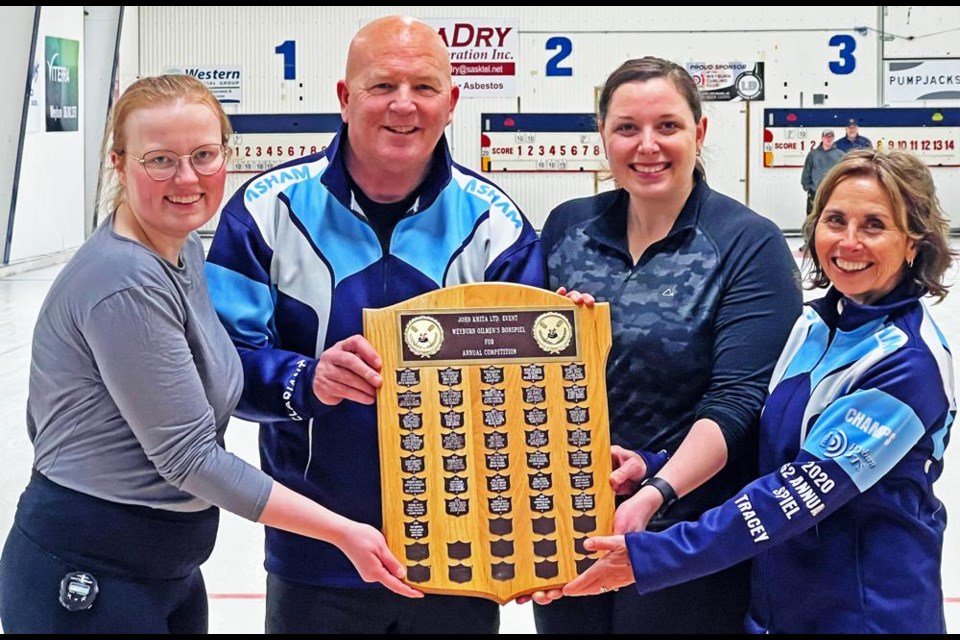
(133, 380)
(816, 166)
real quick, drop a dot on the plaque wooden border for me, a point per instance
(494, 437)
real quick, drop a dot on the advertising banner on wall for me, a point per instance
(728, 81)
(912, 80)
(483, 53)
(62, 57)
(223, 81)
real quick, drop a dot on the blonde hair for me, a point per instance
(145, 93)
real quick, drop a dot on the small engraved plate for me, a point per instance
(580, 459)
(453, 441)
(498, 483)
(408, 377)
(534, 395)
(532, 373)
(578, 438)
(537, 438)
(455, 485)
(411, 442)
(497, 461)
(414, 508)
(457, 507)
(582, 480)
(584, 502)
(492, 397)
(575, 394)
(408, 399)
(495, 440)
(500, 505)
(454, 464)
(412, 464)
(538, 459)
(414, 486)
(451, 398)
(540, 481)
(494, 418)
(416, 529)
(535, 417)
(574, 372)
(451, 419)
(491, 375)
(450, 377)
(411, 421)
(541, 503)
(578, 415)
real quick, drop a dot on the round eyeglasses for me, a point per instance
(163, 165)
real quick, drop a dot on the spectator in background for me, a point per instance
(853, 140)
(819, 161)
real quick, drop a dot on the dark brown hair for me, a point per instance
(649, 68)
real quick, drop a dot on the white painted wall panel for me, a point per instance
(15, 65)
(922, 32)
(49, 215)
(794, 45)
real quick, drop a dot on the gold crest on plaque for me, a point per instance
(424, 336)
(552, 332)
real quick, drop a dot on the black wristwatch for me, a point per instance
(667, 491)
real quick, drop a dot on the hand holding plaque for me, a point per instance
(494, 443)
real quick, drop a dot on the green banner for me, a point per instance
(63, 84)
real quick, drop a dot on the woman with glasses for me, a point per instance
(132, 383)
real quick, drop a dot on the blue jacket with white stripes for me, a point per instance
(292, 266)
(845, 530)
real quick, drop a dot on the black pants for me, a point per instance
(145, 561)
(30, 583)
(713, 604)
(300, 608)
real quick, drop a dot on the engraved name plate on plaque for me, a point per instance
(494, 442)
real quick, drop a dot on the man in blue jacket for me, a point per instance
(382, 215)
(853, 140)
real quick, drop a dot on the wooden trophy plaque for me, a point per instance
(494, 442)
